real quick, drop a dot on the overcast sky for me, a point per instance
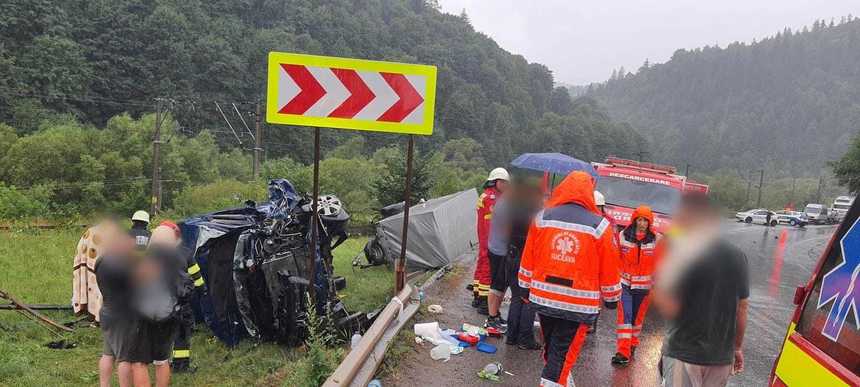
(582, 41)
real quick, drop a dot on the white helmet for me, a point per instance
(599, 199)
(141, 215)
(499, 174)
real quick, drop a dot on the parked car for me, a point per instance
(758, 215)
(817, 213)
(794, 218)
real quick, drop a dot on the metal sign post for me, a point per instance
(345, 93)
(400, 268)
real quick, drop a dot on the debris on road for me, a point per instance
(435, 309)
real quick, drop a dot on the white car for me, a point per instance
(794, 218)
(758, 215)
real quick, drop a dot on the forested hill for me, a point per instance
(97, 59)
(790, 102)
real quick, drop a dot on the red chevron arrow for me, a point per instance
(361, 94)
(311, 92)
(409, 98)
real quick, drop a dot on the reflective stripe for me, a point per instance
(640, 286)
(549, 383)
(625, 326)
(612, 298)
(565, 290)
(198, 282)
(640, 278)
(181, 353)
(624, 336)
(595, 232)
(561, 305)
(611, 289)
(193, 269)
(524, 284)
(488, 216)
(525, 272)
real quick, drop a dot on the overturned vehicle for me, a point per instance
(255, 263)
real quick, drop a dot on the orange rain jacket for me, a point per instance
(639, 258)
(570, 260)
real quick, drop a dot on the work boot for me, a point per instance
(483, 308)
(620, 359)
(183, 367)
(532, 346)
(497, 323)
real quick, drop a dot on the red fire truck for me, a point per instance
(627, 184)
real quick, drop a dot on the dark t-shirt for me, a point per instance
(704, 331)
(113, 275)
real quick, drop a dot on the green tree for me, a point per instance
(389, 188)
(847, 169)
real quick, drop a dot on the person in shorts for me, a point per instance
(701, 288)
(119, 324)
(161, 283)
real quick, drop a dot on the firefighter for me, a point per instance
(641, 250)
(182, 343)
(569, 264)
(140, 229)
(496, 183)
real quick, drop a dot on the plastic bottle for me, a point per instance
(355, 339)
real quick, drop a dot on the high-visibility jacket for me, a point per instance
(485, 206)
(570, 260)
(639, 257)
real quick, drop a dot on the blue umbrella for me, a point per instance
(555, 163)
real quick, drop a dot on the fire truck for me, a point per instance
(627, 184)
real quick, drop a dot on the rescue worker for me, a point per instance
(600, 202)
(196, 285)
(641, 250)
(140, 229)
(569, 264)
(496, 183)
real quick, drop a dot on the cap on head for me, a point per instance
(599, 200)
(499, 174)
(141, 216)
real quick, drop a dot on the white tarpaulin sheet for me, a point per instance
(440, 230)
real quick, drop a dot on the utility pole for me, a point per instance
(155, 201)
(687, 170)
(760, 184)
(258, 144)
(749, 187)
(820, 187)
(793, 188)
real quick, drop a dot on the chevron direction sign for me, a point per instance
(345, 93)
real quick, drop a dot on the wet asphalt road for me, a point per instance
(780, 258)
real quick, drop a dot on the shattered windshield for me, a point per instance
(630, 193)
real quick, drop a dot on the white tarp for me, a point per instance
(440, 230)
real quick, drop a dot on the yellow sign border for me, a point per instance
(273, 117)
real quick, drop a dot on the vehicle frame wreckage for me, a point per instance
(255, 265)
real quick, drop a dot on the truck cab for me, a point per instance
(817, 213)
(822, 345)
(627, 184)
(840, 206)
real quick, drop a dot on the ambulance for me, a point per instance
(822, 345)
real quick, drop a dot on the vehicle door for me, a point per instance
(822, 347)
(760, 216)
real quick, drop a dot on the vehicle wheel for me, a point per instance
(748, 219)
(773, 223)
(793, 222)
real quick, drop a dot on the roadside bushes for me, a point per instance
(218, 195)
(24, 203)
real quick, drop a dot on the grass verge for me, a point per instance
(37, 269)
